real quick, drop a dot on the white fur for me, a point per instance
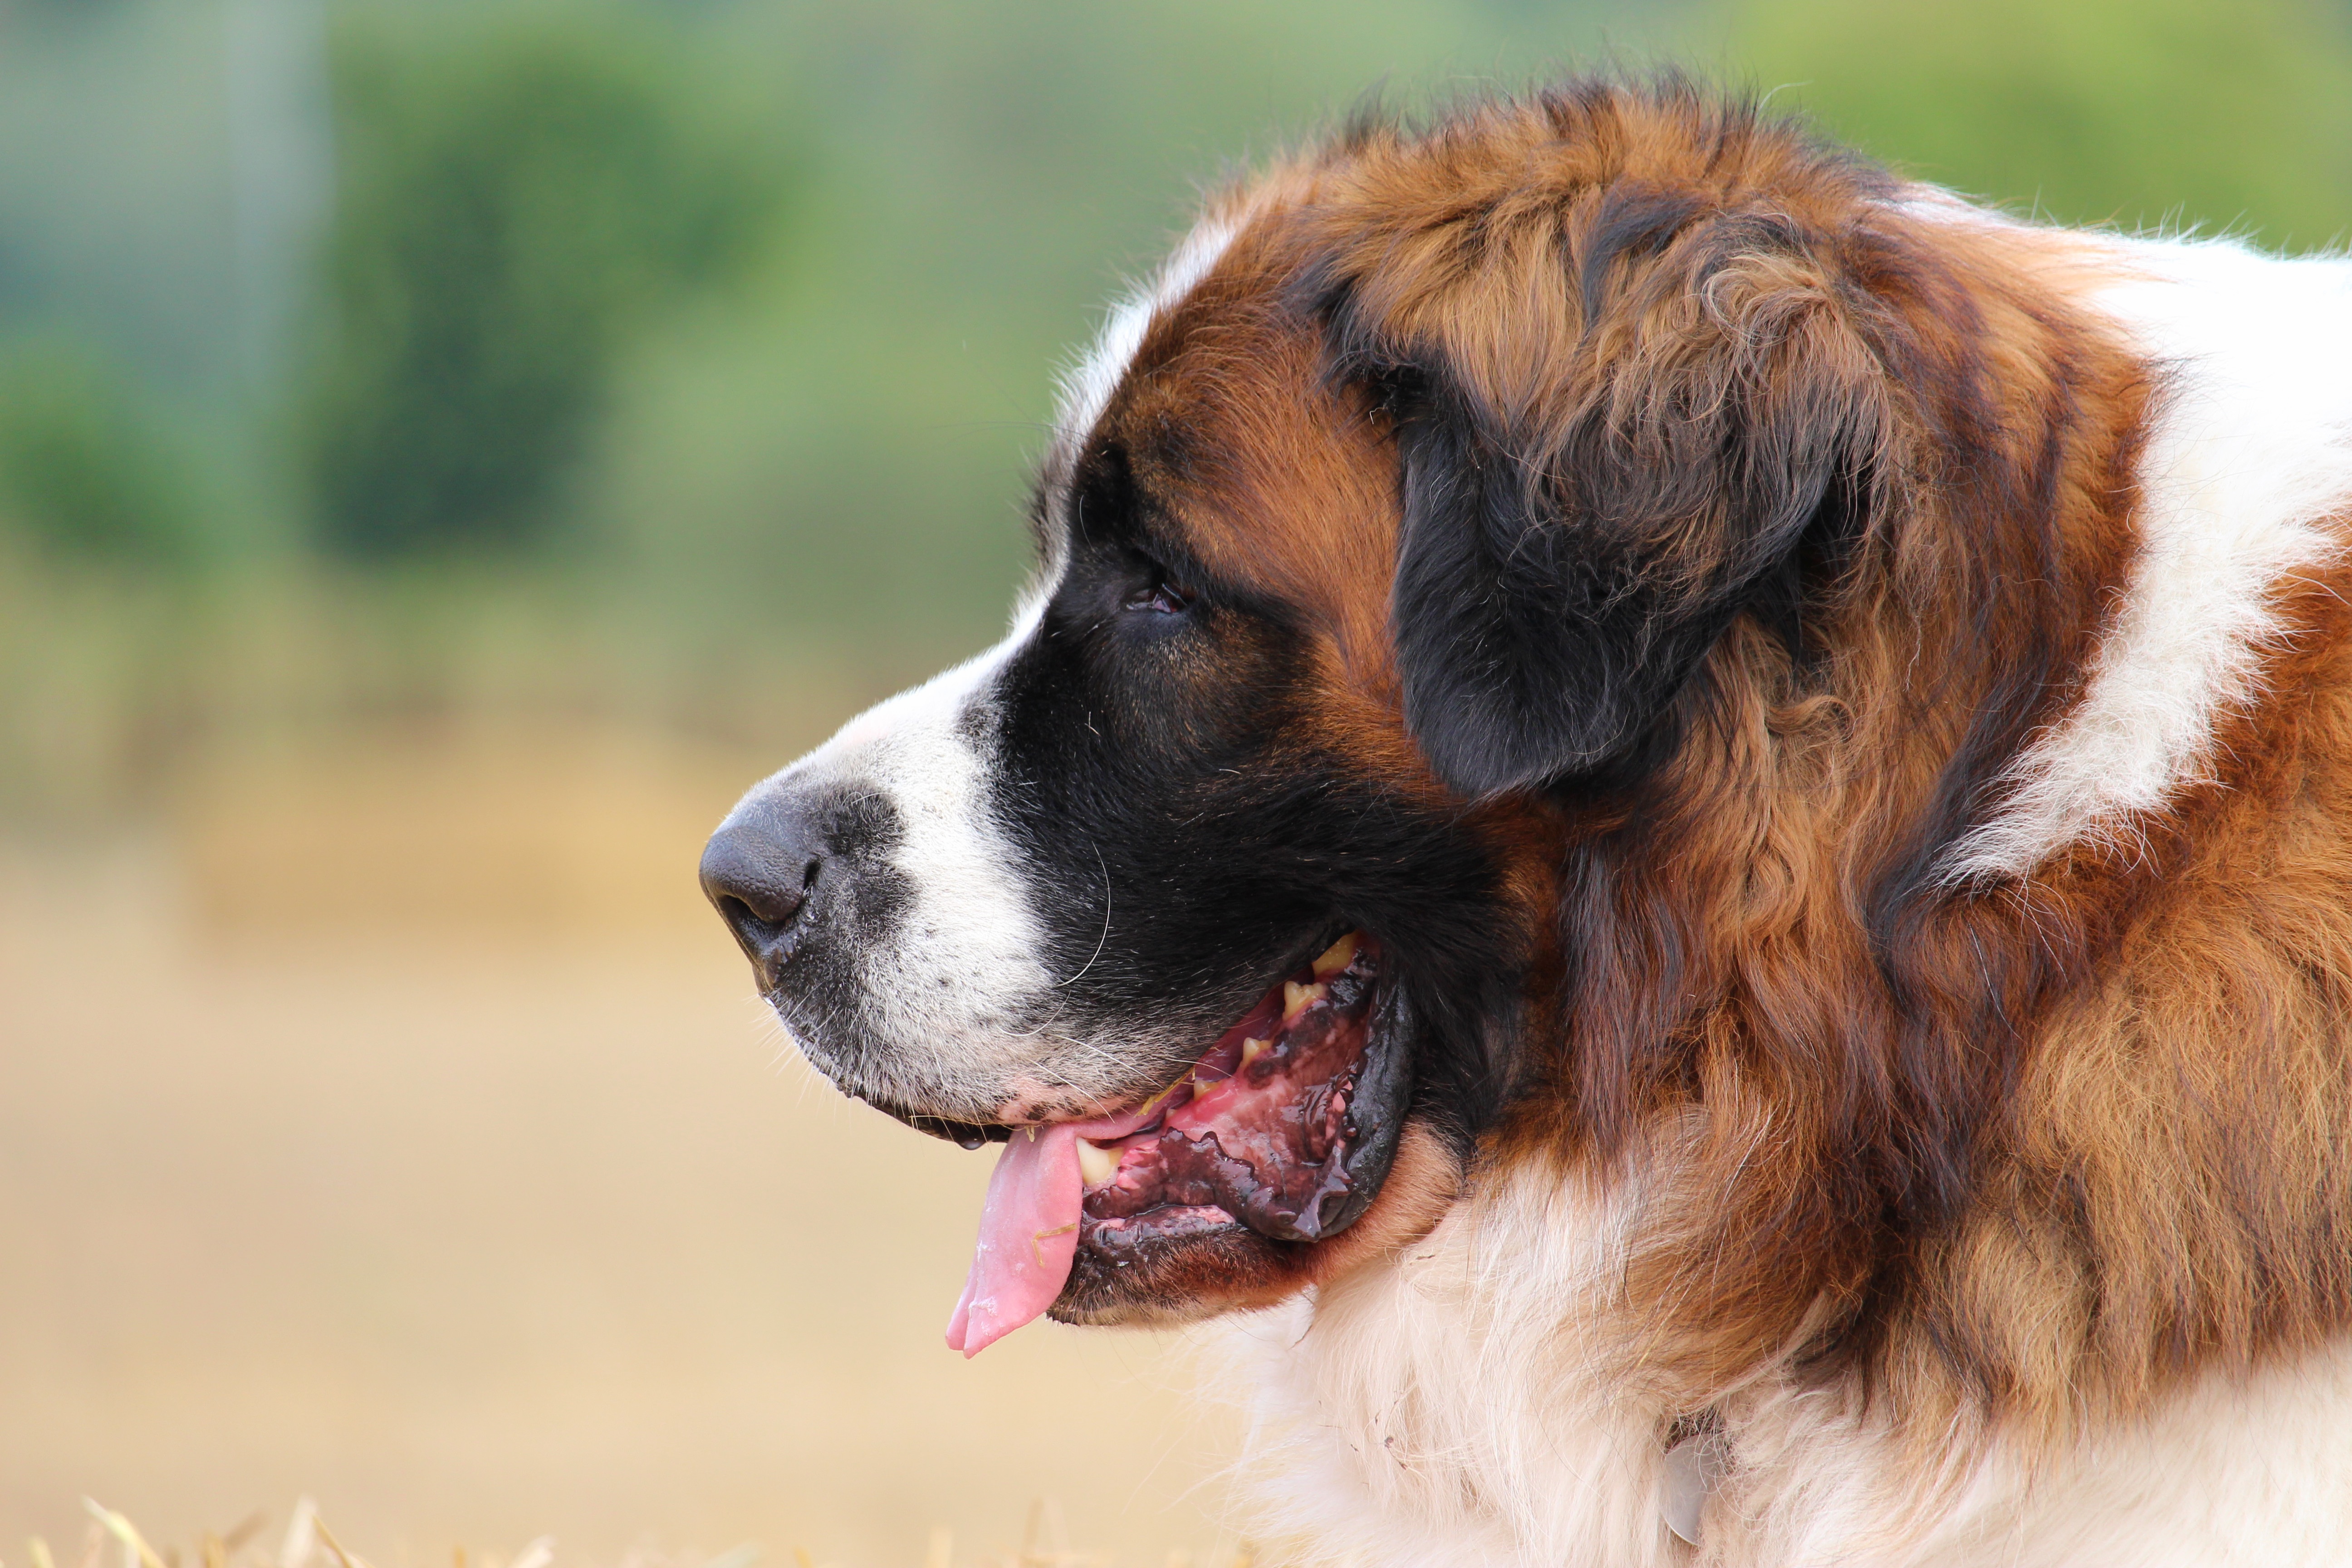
(960, 991)
(962, 984)
(1087, 386)
(1453, 1407)
(2250, 454)
(2251, 1468)
(1470, 1402)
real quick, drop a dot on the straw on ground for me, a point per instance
(308, 1544)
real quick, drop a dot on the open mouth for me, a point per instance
(1285, 1128)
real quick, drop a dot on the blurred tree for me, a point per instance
(83, 472)
(2233, 117)
(510, 203)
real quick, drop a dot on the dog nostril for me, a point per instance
(755, 902)
(750, 923)
(767, 942)
(762, 872)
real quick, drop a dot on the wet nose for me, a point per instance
(761, 870)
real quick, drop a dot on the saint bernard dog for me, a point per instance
(1685, 810)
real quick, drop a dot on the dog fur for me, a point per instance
(1841, 702)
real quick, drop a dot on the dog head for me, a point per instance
(1386, 546)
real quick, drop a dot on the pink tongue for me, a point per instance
(1028, 1237)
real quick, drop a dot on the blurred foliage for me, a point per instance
(84, 473)
(512, 202)
(684, 360)
(2232, 118)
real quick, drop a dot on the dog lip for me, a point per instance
(973, 1135)
(966, 1135)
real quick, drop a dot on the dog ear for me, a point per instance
(1615, 434)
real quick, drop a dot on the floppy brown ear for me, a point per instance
(1618, 419)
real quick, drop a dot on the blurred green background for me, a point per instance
(657, 361)
(448, 450)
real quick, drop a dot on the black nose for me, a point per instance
(761, 871)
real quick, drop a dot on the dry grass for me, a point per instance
(308, 1542)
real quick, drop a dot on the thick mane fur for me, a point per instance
(1759, 511)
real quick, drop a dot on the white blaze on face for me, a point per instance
(2246, 472)
(956, 999)
(961, 976)
(1086, 388)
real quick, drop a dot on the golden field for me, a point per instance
(390, 1122)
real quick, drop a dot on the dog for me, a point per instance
(1682, 811)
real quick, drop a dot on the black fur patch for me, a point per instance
(1186, 847)
(1540, 630)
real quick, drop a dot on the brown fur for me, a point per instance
(2032, 1149)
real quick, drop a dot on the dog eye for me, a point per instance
(1158, 593)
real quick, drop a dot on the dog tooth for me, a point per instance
(1296, 997)
(1337, 957)
(1097, 1164)
(1252, 1049)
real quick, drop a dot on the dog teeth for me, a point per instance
(1337, 957)
(1296, 997)
(1252, 1050)
(1097, 1164)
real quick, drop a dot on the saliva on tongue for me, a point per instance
(1028, 1238)
(1029, 1220)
